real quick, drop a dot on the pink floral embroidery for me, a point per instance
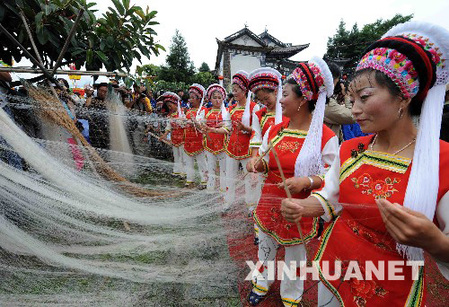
(377, 188)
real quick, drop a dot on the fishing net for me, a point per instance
(103, 227)
(85, 226)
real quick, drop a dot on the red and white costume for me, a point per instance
(358, 232)
(360, 175)
(262, 121)
(214, 144)
(238, 151)
(274, 229)
(175, 131)
(174, 126)
(301, 154)
(265, 79)
(193, 146)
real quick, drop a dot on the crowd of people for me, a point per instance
(376, 190)
(365, 198)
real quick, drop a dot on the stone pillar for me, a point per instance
(227, 78)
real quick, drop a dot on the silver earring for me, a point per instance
(400, 113)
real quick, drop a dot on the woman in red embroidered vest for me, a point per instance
(175, 130)
(213, 141)
(193, 145)
(304, 147)
(266, 84)
(387, 192)
(237, 144)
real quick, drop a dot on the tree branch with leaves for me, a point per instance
(123, 33)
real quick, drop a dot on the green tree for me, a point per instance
(164, 86)
(204, 78)
(148, 71)
(204, 67)
(113, 41)
(178, 66)
(351, 44)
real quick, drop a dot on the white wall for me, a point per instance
(244, 62)
(245, 41)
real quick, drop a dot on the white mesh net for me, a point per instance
(73, 231)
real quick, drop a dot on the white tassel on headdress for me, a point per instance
(422, 188)
(278, 115)
(198, 112)
(224, 111)
(180, 111)
(247, 113)
(309, 161)
(278, 108)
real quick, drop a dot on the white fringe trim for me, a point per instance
(309, 161)
(247, 113)
(422, 188)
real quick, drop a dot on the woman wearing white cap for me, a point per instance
(304, 148)
(266, 84)
(237, 144)
(176, 131)
(193, 146)
(214, 141)
(387, 192)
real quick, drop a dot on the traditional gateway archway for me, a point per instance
(248, 51)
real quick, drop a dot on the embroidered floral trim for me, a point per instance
(380, 160)
(362, 290)
(289, 146)
(378, 188)
(287, 132)
(277, 218)
(368, 235)
(416, 293)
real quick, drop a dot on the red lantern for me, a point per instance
(283, 77)
(220, 77)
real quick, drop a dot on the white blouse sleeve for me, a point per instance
(328, 154)
(328, 195)
(442, 215)
(227, 121)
